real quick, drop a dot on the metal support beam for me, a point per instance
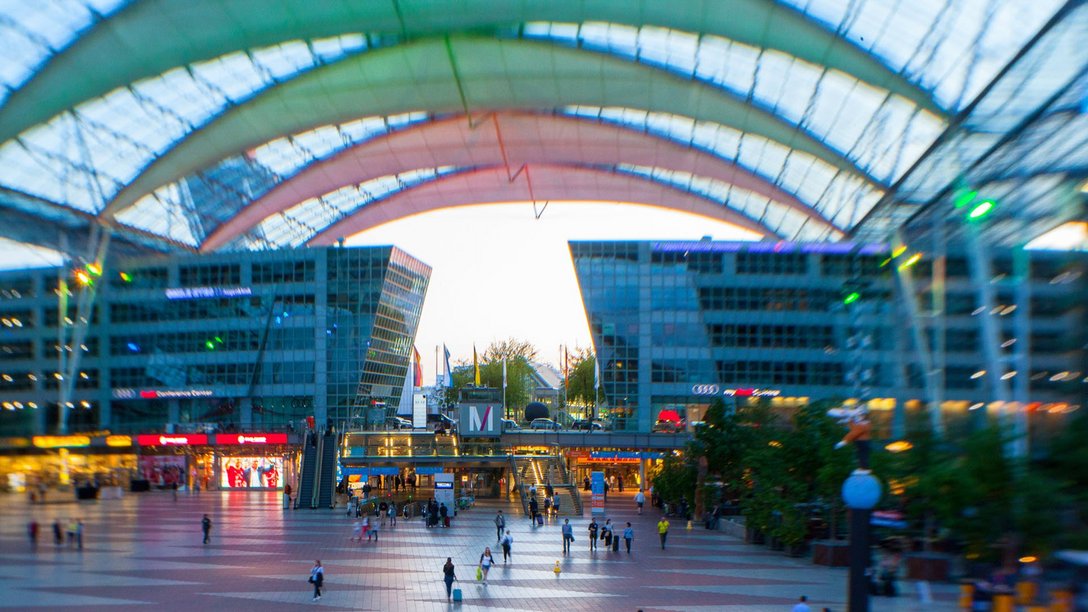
(932, 377)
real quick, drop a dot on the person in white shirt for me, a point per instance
(640, 499)
(507, 544)
(802, 606)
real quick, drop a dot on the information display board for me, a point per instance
(596, 485)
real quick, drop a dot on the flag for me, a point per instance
(417, 370)
(475, 366)
(503, 372)
(596, 373)
(566, 364)
(448, 376)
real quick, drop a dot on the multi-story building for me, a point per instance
(252, 339)
(676, 323)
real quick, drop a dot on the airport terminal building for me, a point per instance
(675, 324)
(254, 340)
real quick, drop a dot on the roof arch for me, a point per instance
(511, 140)
(554, 183)
(130, 44)
(423, 75)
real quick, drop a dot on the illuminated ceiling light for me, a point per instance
(1008, 343)
(83, 278)
(978, 311)
(58, 376)
(978, 374)
(1008, 310)
(17, 322)
(8, 406)
(32, 405)
(1028, 559)
(84, 376)
(7, 377)
(774, 444)
(851, 297)
(85, 404)
(68, 320)
(964, 197)
(94, 269)
(1008, 375)
(32, 376)
(18, 405)
(6, 322)
(84, 347)
(125, 276)
(70, 404)
(1059, 376)
(899, 250)
(976, 406)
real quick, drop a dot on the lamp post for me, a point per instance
(861, 491)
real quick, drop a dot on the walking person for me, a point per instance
(373, 532)
(534, 508)
(640, 499)
(663, 531)
(392, 511)
(317, 578)
(58, 538)
(206, 527)
(444, 512)
(486, 561)
(32, 533)
(593, 529)
(79, 534)
(500, 525)
(357, 531)
(619, 481)
(628, 535)
(555, 504)
(507, 542)
(448, 576)
(606, 534)
(568, 536)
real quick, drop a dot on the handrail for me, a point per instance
(318, 455)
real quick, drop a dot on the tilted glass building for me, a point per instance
(254, 340)
(678, 323)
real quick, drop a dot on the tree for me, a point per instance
(580, 378)
(510, 349)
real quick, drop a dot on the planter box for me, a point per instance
(928, 566)
(832, 553)
(754, 536)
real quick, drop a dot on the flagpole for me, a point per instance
(504, 412)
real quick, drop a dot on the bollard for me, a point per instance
(689, 525)
(1025, 592)
(1003, 601)
(967, 595)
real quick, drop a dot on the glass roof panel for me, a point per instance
(950, 47)
(32, 31)
(131, 126)
(850, 116)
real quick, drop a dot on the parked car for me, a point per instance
(441, 422)
(544, 424)
(396, 422)
(510, 425)
(587, 425)
(668, 426)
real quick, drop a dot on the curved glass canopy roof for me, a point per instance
(248, 124)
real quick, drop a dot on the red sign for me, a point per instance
(171, 439)
(251, 438)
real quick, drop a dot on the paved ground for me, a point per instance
(145, 550)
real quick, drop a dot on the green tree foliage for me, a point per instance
(518, 354)
(511, 349)
(675, 480)
(580, 390)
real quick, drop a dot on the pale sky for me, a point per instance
(499, 272)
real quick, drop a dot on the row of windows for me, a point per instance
(776, 263)
(781, 372)
(226, 308)
(283, 272)
(766, 299)
(287, 372)
(210, 275)
(771, 336)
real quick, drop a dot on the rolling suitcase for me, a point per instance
(540, 520)
(615, 543)
(445, 521)
(457, 594)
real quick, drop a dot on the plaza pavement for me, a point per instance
(145, 551)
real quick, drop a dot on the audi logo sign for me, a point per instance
(705, 390)
(738, 392)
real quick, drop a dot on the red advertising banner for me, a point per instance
(171, 439)
(163, 471)
(251, 438)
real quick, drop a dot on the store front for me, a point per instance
(626, 468)
(64, 461)
(249, 461)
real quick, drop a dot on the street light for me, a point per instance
(861, 491)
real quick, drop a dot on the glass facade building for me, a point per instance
(254, 339)
(677, 323)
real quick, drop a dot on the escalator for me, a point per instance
(326, 477)
(308, 472)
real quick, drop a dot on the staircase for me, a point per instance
(540, 471)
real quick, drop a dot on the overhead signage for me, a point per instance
(425, 470)
(118, 440)
(710, 390)
(171, 439)
(443, 485)
(125, 393)
(61, 441)
(479, 420)
(251, 438)
(201, 293)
